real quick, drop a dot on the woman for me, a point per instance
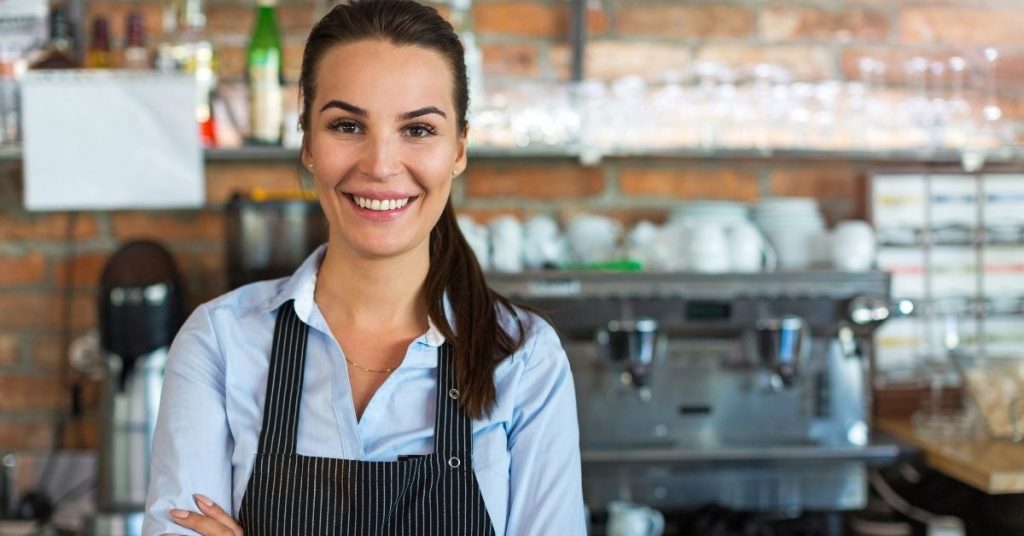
(382, 388)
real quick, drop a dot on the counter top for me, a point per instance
(995, 466)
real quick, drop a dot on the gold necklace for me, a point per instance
(360, 367)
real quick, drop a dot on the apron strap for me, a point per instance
(453, 432)
(284, 383)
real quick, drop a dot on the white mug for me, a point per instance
(853, 246)
(479, 239)
(593, 238)
(749, 250)
(708, 249)
(506, 244)
(628, 519)
(543, 244)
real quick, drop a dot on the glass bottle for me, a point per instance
(59, 50)
(264, 72)
(135, 54)
(188, 49)
(99, 56)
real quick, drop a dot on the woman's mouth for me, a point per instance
(380, 205)
(380, 209)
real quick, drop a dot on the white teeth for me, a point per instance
(380, 204)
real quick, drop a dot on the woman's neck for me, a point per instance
(373, 294)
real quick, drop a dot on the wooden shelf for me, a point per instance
(995, 466)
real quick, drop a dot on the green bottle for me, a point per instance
(265, 77)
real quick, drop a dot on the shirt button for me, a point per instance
(453, 393)
(454, 462)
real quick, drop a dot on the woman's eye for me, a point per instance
(345, 127)
(420, 131)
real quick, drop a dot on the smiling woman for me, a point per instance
(383, 387)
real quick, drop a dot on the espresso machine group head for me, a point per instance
(633, 346)
(782, 347)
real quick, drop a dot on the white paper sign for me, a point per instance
(111, 140)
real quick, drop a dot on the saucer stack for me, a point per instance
(725, 213)
(795, 227)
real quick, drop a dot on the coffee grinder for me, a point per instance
(140, 311)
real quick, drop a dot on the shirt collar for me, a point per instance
(302, 283)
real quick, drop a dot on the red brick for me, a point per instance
(293, 19)
(597, 20)
(9, 348)
(22, 270)
(296, 19)
(511, 59)
(28, 392)
(169, 226)
(521, 19)
(45, 226)
(685, 21)
(810, 62)
(223, 180)
(962, 26)
(785, 22)
(88, 267)
(690, 183)
(534, 181)
(49, 352)
(606, 59)
(841, 190)
(223, 19)
(45, 310)
(33, 435)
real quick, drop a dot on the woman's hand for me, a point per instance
(213, 521)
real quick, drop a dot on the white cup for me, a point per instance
(506, 244)
(853, 246)
(749, 250)
(593, 238)
(543, 244)
(479, 239)
(708, 248)
(628, 519)
(666, 251)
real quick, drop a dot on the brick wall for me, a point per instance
(815, 38)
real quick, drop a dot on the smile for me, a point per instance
(381, 205)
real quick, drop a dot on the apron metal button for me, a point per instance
(453, 393)
(454, 462)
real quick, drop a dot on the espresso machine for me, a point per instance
(747, 392)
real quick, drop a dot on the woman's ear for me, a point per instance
(461, 158)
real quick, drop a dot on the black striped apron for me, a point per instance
(290, 494)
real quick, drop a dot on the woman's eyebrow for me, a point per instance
(345, 106)
(426, 110)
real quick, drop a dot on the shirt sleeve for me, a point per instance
(545, 483)
(192, 443)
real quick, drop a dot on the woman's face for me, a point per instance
(384, 145)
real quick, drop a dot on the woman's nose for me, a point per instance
(380, 159)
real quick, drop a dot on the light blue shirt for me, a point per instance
(526, 454)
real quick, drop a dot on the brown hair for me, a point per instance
(482, 343)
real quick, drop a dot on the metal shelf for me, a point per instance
(1001, 156)
(569, 284)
